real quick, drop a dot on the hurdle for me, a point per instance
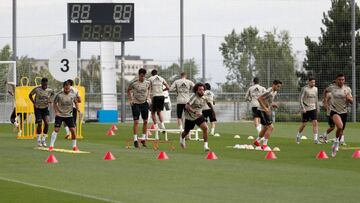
(174, 131)
(151, 140)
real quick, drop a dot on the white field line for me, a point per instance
(60, 190)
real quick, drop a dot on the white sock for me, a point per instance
(156, 126)
(265, 141)
(212, 131)
(182, 140)
(38, 137)
(315, 136)
(258, 128)
(73, 143)
(325, 134)
(162, 125)
(53, 139)
(135, 138)
(298, 134)
(181, 127)
(143, 137)
(342, 138)
(43, 139)
(67, 130)
(206, 146)
(258, 139)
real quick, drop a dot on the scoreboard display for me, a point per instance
(100, 22)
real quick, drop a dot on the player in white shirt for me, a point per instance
(208, 112)
(309, 107)
(266, 102)
(252, 95)
(183, 88)
(75, 91)
(157, 89)
(194, 116)
(340, 98)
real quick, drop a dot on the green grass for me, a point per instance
(136, 175)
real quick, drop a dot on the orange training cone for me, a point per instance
(109, 156)
(51, 159)
(322, 155)
(211, 155)
(110, 133)
(114, 128)
(153, 126)
(270, 155)
(356, 154)
(162, 156)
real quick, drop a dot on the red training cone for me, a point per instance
(153, 126)
(162, 156)
(51, 159)
(356, 154)
(110, 133)
(109, 156)
(114, 128)
(211, 155)
(270, 155)
(322, 155)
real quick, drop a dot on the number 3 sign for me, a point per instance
(63, 65)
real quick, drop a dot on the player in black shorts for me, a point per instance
(41, 98)
(157, 87)
(138, 94)
(208, 112)
(63, 108)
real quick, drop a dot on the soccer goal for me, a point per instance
(7, 89)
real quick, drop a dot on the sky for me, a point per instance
(41, 23)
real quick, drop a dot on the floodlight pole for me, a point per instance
(353, 60)
(203, 58)
(14, 31)
(181, 35)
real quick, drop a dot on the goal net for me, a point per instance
(7, 89)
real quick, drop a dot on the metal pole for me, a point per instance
(122, 82)
(181, 35)
(203, 58)
(353, 59)
(268, 73)
(78, 48)
(64, 40)
(14, 32)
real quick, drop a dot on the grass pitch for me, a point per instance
(136, 175)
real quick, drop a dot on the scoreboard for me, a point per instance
(100, 21)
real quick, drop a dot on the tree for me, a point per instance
(24, 68)
(5, 54)
(171, 73)
(332, 53)
(247, 55)
(90, 76)
(275, 54)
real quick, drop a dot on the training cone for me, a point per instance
(162, 156)
(270, 155)
(51, 159)
(356, 154)
(153, 126)
(110, 133)
(109, 156)
(114, 128)
(211, 155)
(322, 155)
